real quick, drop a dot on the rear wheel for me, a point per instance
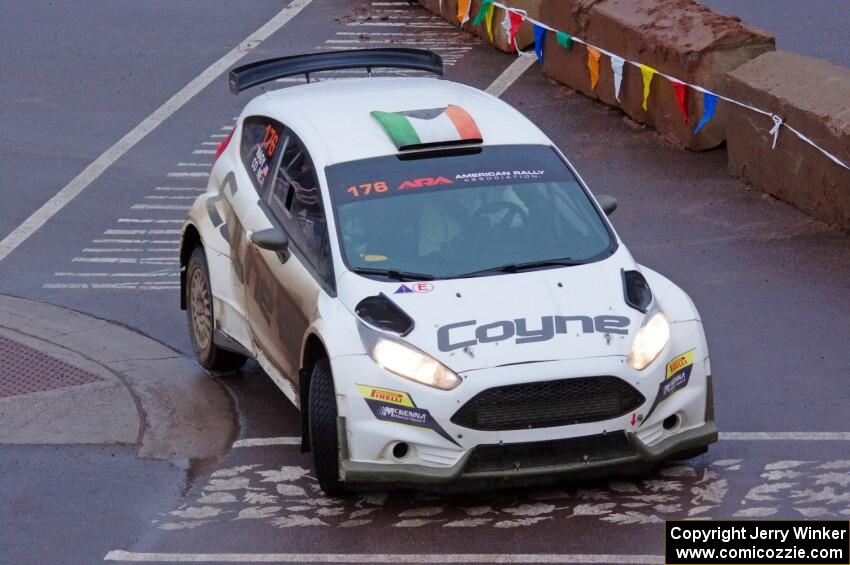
(199, 311)
(324, 439)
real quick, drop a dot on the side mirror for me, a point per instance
(607, 203)
(271, 240)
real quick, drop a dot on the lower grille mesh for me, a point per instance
(515, 456)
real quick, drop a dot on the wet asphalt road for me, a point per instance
(770, 284)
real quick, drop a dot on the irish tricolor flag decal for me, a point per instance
(438, 126)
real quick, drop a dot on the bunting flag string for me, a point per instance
(514, 17)
(593, 56)
(617, 69)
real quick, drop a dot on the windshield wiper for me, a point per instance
(519, 267)
(393, 274)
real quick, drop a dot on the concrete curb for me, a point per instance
(140, 392)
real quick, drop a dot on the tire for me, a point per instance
(324, 437)
(199, 312)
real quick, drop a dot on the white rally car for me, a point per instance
(424, 274)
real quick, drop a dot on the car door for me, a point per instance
(283, 288)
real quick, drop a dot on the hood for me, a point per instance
(544, 315)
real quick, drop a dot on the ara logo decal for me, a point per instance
(415, 287)
(426, 181)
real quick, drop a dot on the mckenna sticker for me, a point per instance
(677, 376)
(395, 406)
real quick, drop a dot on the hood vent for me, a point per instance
(382, 313)
(636, 290)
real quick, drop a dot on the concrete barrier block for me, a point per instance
(678, 37)
(811, 95)
(447, 9)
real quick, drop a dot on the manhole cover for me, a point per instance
(24, 370)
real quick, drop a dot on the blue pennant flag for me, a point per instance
(539, 36)
(709, 102)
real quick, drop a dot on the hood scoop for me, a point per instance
(381, 312)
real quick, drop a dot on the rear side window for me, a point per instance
(259, 147)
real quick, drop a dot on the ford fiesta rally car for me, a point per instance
(424, 274)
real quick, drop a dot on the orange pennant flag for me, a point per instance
(463, 7)
(593, 65)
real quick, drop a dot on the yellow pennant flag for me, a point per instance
(489, 20)
(593, 65)
(647, 73)
(463, 11)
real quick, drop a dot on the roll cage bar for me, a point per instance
(260, 72)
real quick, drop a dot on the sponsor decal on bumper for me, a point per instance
(395, 406)
(676, 378)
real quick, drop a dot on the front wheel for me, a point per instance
(199, 310)
(324, 438)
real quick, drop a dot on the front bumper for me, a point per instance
(644, 457)
(441, 452)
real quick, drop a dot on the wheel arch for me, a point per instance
(190, 240)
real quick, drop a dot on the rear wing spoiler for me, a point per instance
(260, 72)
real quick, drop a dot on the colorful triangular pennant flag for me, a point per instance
(489, 20)
(565, 40)
(482, 12)
(709, 102)
(403, 289)
(593, 56)
(515, 20)
(681, 93)
(647, 73)
(617, 68)
(539, 38)
(463, 7)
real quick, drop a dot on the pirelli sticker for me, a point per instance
(677, 376)
(395, 406)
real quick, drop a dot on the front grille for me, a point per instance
(516, 456)
(549, 403)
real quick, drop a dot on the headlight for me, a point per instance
(406, 361)
(650, 340)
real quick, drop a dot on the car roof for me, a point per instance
(333, 118)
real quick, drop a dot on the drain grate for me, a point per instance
(24, 370)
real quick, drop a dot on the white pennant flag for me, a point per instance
(506, 23)
(617, 67)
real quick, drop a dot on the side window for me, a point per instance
(296, 201)
(260, 144)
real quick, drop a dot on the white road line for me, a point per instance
(134, 136)
(203, 152)
(217, 136)
(509, 75)
(226, 128)
(194, 164)
(160, 207)
(134, 557)
(179, 174)
(147, 221)
(140, 232)
(214, 143)
(265, 441)
(785, 436)
(180, 189)
(130, 250)
(169, 273)
(138, 241)
(159, 197)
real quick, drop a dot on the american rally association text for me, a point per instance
(758, 533)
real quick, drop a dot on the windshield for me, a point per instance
(464, 213)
